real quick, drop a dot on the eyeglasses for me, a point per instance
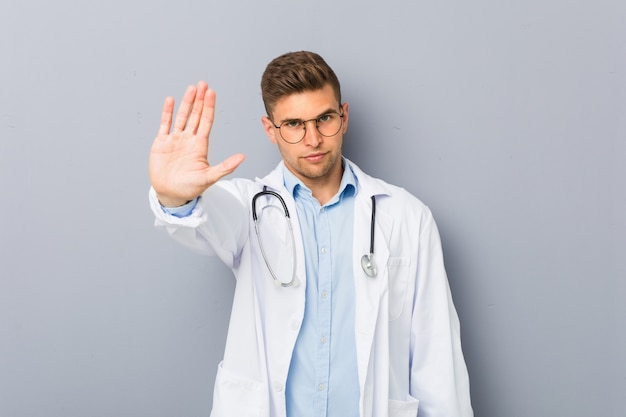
(328, 124)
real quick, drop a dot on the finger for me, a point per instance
(225, 167)
(166, 116)
(208, 113)
(183, 110)
(196, 111)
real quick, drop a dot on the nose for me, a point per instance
(312, 137)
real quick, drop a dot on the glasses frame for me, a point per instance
(304, 123)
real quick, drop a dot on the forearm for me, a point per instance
(216, 224)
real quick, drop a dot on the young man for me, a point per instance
(342, 306)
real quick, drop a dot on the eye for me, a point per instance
(292, 124)
(325, 118)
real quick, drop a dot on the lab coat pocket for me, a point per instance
(403, 408)
(237, 395)
(398, 269)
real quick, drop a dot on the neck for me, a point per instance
(324, 188)
(324, 194)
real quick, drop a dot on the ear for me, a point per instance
(345, 106)
(269, 128)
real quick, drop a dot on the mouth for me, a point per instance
(315, 157)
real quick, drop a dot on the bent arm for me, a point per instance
(217, 226)
(178, 166)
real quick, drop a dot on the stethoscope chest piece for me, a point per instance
(369, 266)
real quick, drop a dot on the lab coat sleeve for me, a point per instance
(216, 226)
(439, 376)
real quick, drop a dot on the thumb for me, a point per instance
(225, 167)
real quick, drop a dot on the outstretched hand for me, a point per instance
(179, 167)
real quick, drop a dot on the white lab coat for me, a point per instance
(407, 331)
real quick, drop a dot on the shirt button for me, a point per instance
(323, 339)
(324, 294)
(324, 249)
(321, 387)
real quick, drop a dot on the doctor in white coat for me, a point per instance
(319, 229)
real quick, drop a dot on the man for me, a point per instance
(342, 305)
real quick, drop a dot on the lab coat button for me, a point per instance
(295, 324)
(278, 387)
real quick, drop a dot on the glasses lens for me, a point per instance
(329, 124)
(292, 131)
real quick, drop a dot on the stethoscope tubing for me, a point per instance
(268, 192)
(373, 222)
(294, 280)
(367, 260)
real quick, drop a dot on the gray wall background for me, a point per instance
(506, 118)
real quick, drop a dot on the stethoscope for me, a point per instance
(367, 260)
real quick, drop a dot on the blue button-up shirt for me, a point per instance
(323, 376)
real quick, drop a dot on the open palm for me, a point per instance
(179, 167)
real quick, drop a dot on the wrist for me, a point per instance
(171, 202)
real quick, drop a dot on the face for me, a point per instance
(316, 159)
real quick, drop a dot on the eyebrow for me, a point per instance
(291, 119)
